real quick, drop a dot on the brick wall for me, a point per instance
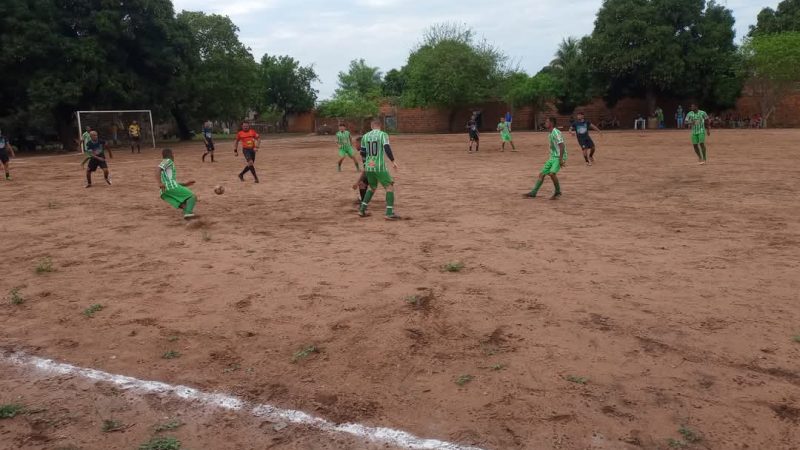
(786, 115)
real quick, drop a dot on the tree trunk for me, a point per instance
(182, 122)
(650, 100)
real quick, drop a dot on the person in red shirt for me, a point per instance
(251, 141)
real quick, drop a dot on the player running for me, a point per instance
(580, 128)
(6, 153)
(698, 119)
(558, 159)
(208, 139)
(345, 147)
(373, 146)
(85, 138)
(474, 134)
(505, 134)
(176, 194)
(251, 141)
(135, 135)
(96, 150)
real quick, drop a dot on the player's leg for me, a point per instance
(106, 175)
(585, 150)
(252, 165)
(539, 182)
(556, 185)
(5, 169)
(703, 151)
(386, 181)
(372, 183)
(188, 207)
(89, 176)
(513, 148)
(477, 143)
(592, 148)
(339, 164)
(355, 161)
(138, 145)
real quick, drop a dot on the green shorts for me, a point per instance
(551, 167)
(346, 151)
(506, 137)
(698, 138)
(373, 178)
(177, 196)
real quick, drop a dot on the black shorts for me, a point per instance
(4, 156)
(209, 145)
(94, 163)
(474, 136)
(586, 143)
(249, 154)
(135, 138)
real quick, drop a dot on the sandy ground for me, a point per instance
(666, 291)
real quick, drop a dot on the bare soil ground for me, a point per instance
(655, 296)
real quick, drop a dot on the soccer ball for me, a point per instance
(219, 190)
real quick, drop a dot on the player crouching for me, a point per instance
(176, 194)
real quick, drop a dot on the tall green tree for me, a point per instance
(571, 70)
(394, 83)
(679, 48)
(785, 18)
(772, 62)
(361, 79)
(523, 90)
(451, 70)
(60, 57)
(286, 86)
(224, 72)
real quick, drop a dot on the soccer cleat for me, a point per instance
(702, 163)
(529, 195)
(392, 217)
(188, 216)
(338, 168)
(555, 196)
(241, 177)
(108, 181)
(363, 214)
(257, 180)
(88, 185)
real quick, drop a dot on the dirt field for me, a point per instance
(656, 296)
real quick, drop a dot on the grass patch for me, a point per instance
(89, 312)
(676, 443)
(171, 354)
(796, 338)
(110, 426)
(15, 297)
(577, 380)
(171, 425)
(464, 379)
(45, 265)
(172, 338)
(497, 366)
(304, 353)
(52, 205)
(206, 236)
(454, 266)
(161, 443)
(689, 435)
(10, 410)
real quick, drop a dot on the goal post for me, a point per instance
(112, 126)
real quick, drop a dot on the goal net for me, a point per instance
(112, 126)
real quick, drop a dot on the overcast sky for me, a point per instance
(329, 34)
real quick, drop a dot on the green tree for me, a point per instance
(785, 18)
(536, 91)
(286, 86)
(451, 70)
(571, 69)
(394, 83)
(361, 79)
(772, 62)
(678, 48)
(224, 72)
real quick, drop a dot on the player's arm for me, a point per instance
(571, 128)
(561, 151)
(236, 146)
(110, 155)
(11, 150)
(594, 127)
(708, 125)
(258, 140)
(159, 169)
(388, 150)
(188, 183)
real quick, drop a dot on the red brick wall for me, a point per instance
(786, 115)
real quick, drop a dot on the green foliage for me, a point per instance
(796, 338)
(361, 80)
(285, 85)
(161, 443)
(45, 265)
(771, 63)
(110, 426)
(451, 70)
(570, 69)
(577, 380)
(522, 90)
(349, 105)
(304, 353)
(464, 379)
(681, 48)
(90, 311)
(171, 354)
(168, 426)
(785, 18)
(394, 83)
(454, 266)
(15, 297)
(9, 411)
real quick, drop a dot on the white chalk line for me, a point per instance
(223, 401)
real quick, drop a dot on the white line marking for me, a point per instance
(224, 401)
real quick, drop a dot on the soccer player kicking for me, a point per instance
(96, 150)
(581, 129)
(208, 139)
(373, 146)
(176, 194)
(558, 158)
(345, 146)
(251, 141)
(698, 119)
(6, 153)
(474, 135)
(135, 134)
(505, 134)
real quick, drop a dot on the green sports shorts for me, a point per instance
(698, 138)
(177, 195)
(506, 137)
(551, 167)
(373, 178)
(346, 151)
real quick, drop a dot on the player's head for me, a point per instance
(342, 126)
(502, 118)
(88, 128)
(245, 125)
(551, 123)
(135, 122)
(167, 153)
(93, 135)
(376, 124)
(580, 115)
(693, 107)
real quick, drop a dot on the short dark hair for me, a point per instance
(552, 120)
(580, 113)
(167, 153)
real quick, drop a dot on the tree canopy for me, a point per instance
(772, 62)
(785, 18)
(285, 85)
(571, 72)
(361, 79)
